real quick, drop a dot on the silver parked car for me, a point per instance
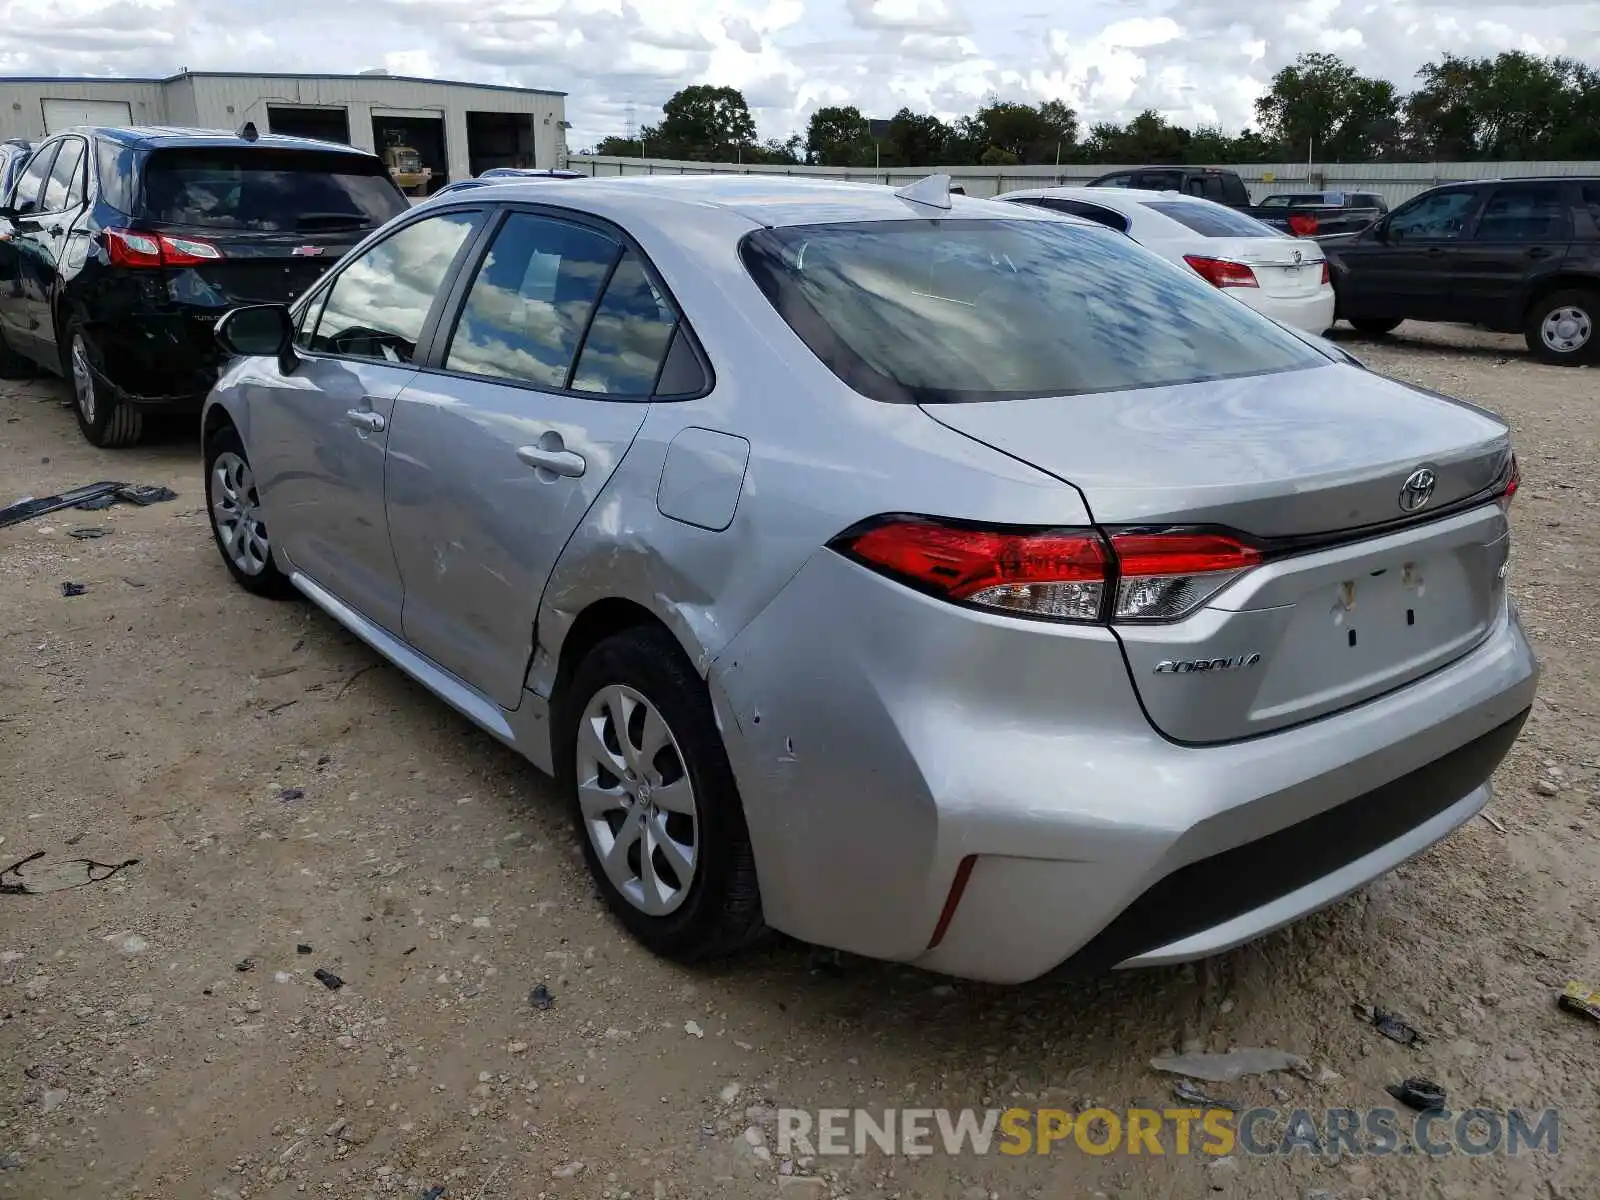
(935, 579)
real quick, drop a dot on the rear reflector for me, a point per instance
(1326, 278)
(132, 248)
(953, 900)
(1053, 574)
(1219, 272)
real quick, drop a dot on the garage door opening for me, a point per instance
(413, 150)
(499, 140)
(64, 114)
(325, 124)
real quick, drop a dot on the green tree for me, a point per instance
(619, 147)
(711, 124)
(839, 136)
(1516, 105)
(1320, 106)
(916, 140)
(1028, 133)
(790, 151)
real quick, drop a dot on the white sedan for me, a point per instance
(1285, 278)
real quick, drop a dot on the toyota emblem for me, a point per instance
(1417, 489)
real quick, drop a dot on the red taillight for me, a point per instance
(1054, 573)
(1058, 574)
(1165, 575)
(1326, 278)
(187, 252)
(1219, 272)
(131, 248)
(1303, 224)
(1512, 480)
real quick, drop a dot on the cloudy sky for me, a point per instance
(1196, 60)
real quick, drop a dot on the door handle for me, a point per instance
(56, 230)
(366, 420)
(1539, 252)
(558, 462)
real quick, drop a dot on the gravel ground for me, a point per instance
(281, 790)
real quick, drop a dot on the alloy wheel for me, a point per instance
(637, 800)
(83, 379)
(1566, 330)
(235, 510)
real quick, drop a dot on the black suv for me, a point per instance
(1513, 255)
(120, 248)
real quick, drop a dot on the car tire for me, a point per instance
(1375, 326)
(14, 365)
(106, 420)
(623, 687)
(1562, 327)
(233, 506)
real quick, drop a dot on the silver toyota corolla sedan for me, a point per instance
(938, 580)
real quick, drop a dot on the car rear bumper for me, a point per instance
(1313, 314)
(162, 362)
(881, 739)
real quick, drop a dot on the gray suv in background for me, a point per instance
(937, 579)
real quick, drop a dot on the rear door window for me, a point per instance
(1591, 201)
(378, 305)
(31, 186)
(268, 190)
(628, 336)
(66, 177)
(1212, 220)
(530, 305)
(1438, 216)
(1524, 212)
(951, 311)
(1124, 180)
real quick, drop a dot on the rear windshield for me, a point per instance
(268, 191)
(1212, 220)
(1297, 198)
(938, 312)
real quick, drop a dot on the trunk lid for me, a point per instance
(255, 268)
(1357, 598)
(1283, 267)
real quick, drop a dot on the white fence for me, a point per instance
(1393, 181)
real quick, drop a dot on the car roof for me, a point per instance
(1106, 197)
(765, 200)
(1169, 167)
(530, 173)
(158, 137)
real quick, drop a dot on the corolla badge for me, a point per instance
(1195, 666)
(1417, 489)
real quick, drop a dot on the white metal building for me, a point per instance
(460, 129)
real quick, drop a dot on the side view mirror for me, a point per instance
(1380, 229)
(259, 331)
